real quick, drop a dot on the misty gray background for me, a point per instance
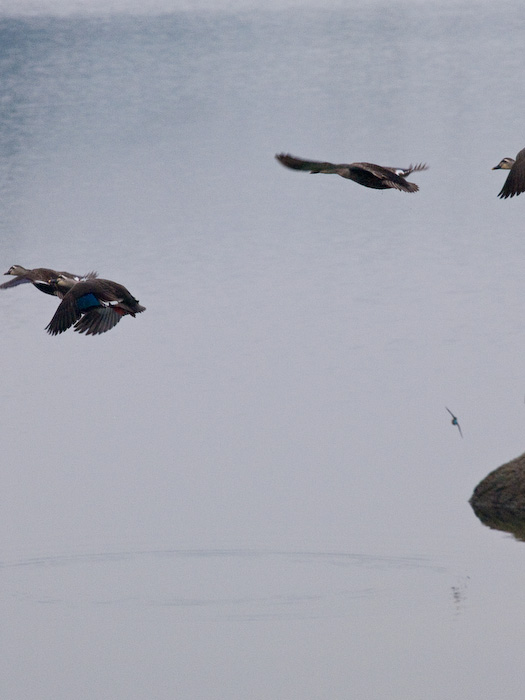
(253, 489)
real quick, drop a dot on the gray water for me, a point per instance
(253, 489)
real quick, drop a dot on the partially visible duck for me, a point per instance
(41, 278)
(378, 177)
(515, 182)
(93, 306)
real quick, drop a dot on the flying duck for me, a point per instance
(515, 182)
(378, 177)
(41, 278)
(92, 305)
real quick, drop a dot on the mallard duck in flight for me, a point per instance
(93, 306)
(378, 177)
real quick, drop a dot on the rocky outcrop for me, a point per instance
(499, 500)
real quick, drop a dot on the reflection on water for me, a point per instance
(459, 594)
(334, 558)
(503, 519)
(154, 579)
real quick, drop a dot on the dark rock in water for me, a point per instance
(499, 500)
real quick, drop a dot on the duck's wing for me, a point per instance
(97, 321)
(48, 287)
(411, 169)
(15, 282)
(515, 182)
(65, 316)
(313, 166)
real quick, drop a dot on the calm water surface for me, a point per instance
(253, 489)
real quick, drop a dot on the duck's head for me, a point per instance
(505, 164)
(63, 282)
(16, 270)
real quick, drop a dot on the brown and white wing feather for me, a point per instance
(415, 168)
(97, 321)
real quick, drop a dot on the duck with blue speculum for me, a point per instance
(91, 306)
(41, 278)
